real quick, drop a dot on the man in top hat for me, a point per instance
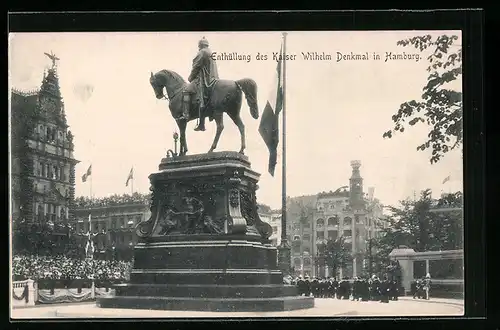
(204, 75)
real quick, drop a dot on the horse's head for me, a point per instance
(157, 86)
(171, 80)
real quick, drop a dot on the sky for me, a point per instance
(336, 111)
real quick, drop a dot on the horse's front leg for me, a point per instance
(182, 124)
(220, 127)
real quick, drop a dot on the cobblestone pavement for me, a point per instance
(406, 306)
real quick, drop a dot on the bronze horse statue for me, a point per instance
(225, 96)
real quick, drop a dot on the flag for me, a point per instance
(446, 179)
(86, 175)
(130, 176)
(269, 123)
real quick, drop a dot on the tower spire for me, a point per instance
(356, 186)
(50, 83)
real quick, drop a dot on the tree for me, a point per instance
(441, 106)
(334, 253)
(423, 225)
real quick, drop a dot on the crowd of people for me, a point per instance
(65, 268)
(86, 202)
(358, 289)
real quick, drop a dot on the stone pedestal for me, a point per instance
(405, 258)
(205, 247)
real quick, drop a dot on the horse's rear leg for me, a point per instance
(237, 120)
(220, 126)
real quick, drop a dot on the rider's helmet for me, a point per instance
(203, 42)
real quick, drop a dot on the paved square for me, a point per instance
(323, 307)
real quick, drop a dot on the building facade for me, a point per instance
(42, 160)
(350, 213)
(113, 221)
(300, 212)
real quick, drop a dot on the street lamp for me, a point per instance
(174, 153)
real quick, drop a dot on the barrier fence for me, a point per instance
(28, 292)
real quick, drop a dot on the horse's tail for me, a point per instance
(249, 88)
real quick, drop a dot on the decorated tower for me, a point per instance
(52, 158)
(356, 187)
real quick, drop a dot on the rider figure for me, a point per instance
(203, 76)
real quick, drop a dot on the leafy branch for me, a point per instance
(440, 108)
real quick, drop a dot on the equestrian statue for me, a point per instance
(205, 96)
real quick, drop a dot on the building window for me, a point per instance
(332, 234)
(307, 262)
(297, 262)
(307, 250)
(347, 221)
(348, 233)
(320, 235)
(306, 237)
(296, 249)
(333, 221)
(320, 222)
(296, 238)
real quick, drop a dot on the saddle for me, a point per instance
(193, 90)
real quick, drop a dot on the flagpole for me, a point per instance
(284, 248)
(132, 186)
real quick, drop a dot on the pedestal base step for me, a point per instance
(208, 304)
(205, 291)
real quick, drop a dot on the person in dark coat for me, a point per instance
(394, 290)
(301, 286)
(340, 291)
(375, 288)
(307, 286)
(385, 290)
(420, 289)
(324, 288)
(356, 289)
(413, 289)
(365, 290)
(347, 289)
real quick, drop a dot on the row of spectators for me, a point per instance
(65, 268)
(85, 202)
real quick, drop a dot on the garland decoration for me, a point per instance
(24, 295)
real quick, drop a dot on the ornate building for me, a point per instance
(113, 220)
(42, 161)
(350, 213)
(300, 212)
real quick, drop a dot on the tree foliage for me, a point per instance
(440, 107)
(423, 225)
(334, 253)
